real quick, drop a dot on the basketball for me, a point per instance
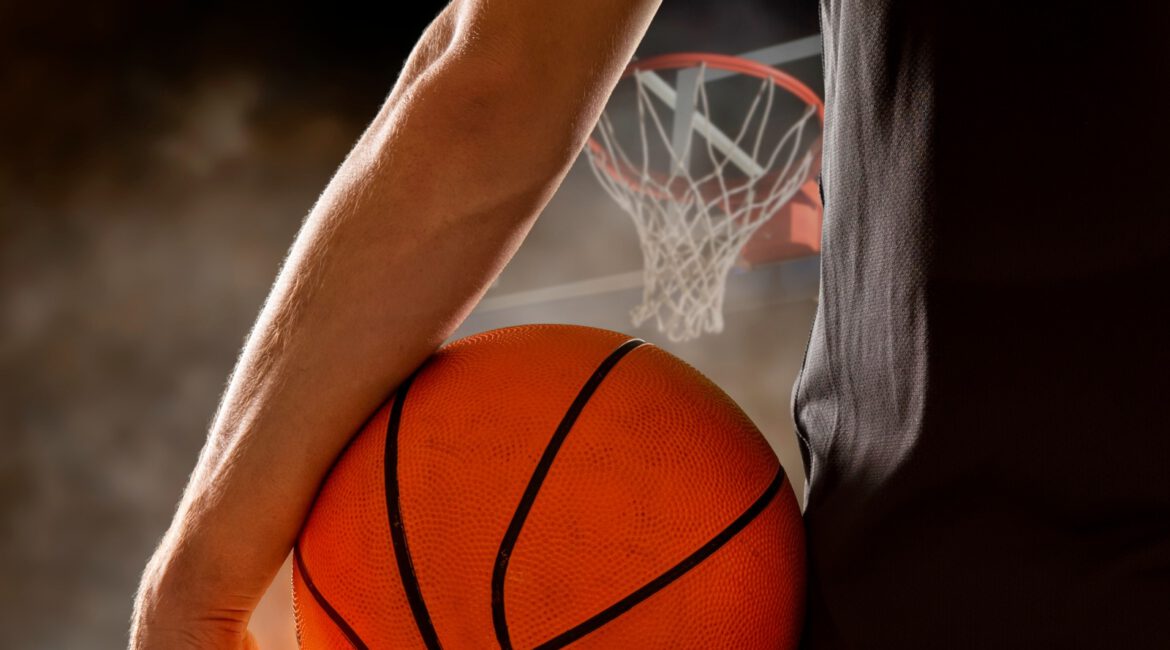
(551, 485)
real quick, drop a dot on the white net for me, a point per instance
(692, 226)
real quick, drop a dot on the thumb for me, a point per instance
(250, 641)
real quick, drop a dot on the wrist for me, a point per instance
(182, 601)
(169, 617)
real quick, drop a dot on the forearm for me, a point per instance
(419, 219)
(384, 269)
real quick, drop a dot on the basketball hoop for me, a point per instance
(694, 217)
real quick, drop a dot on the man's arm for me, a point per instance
(490, 111)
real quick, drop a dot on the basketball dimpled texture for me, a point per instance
(658, 524)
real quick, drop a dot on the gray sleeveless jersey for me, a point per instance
(984, 405)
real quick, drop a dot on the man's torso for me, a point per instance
(983, 400)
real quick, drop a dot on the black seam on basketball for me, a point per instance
(499, 618)
(691, 561)
(418, 607)
(333, 614)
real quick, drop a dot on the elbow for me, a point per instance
(486, 122)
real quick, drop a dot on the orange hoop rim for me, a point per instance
(730, 63)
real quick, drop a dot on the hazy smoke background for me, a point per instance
(155, 163)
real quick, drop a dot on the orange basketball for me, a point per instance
(552, 485)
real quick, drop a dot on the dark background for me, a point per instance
(155, 163)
